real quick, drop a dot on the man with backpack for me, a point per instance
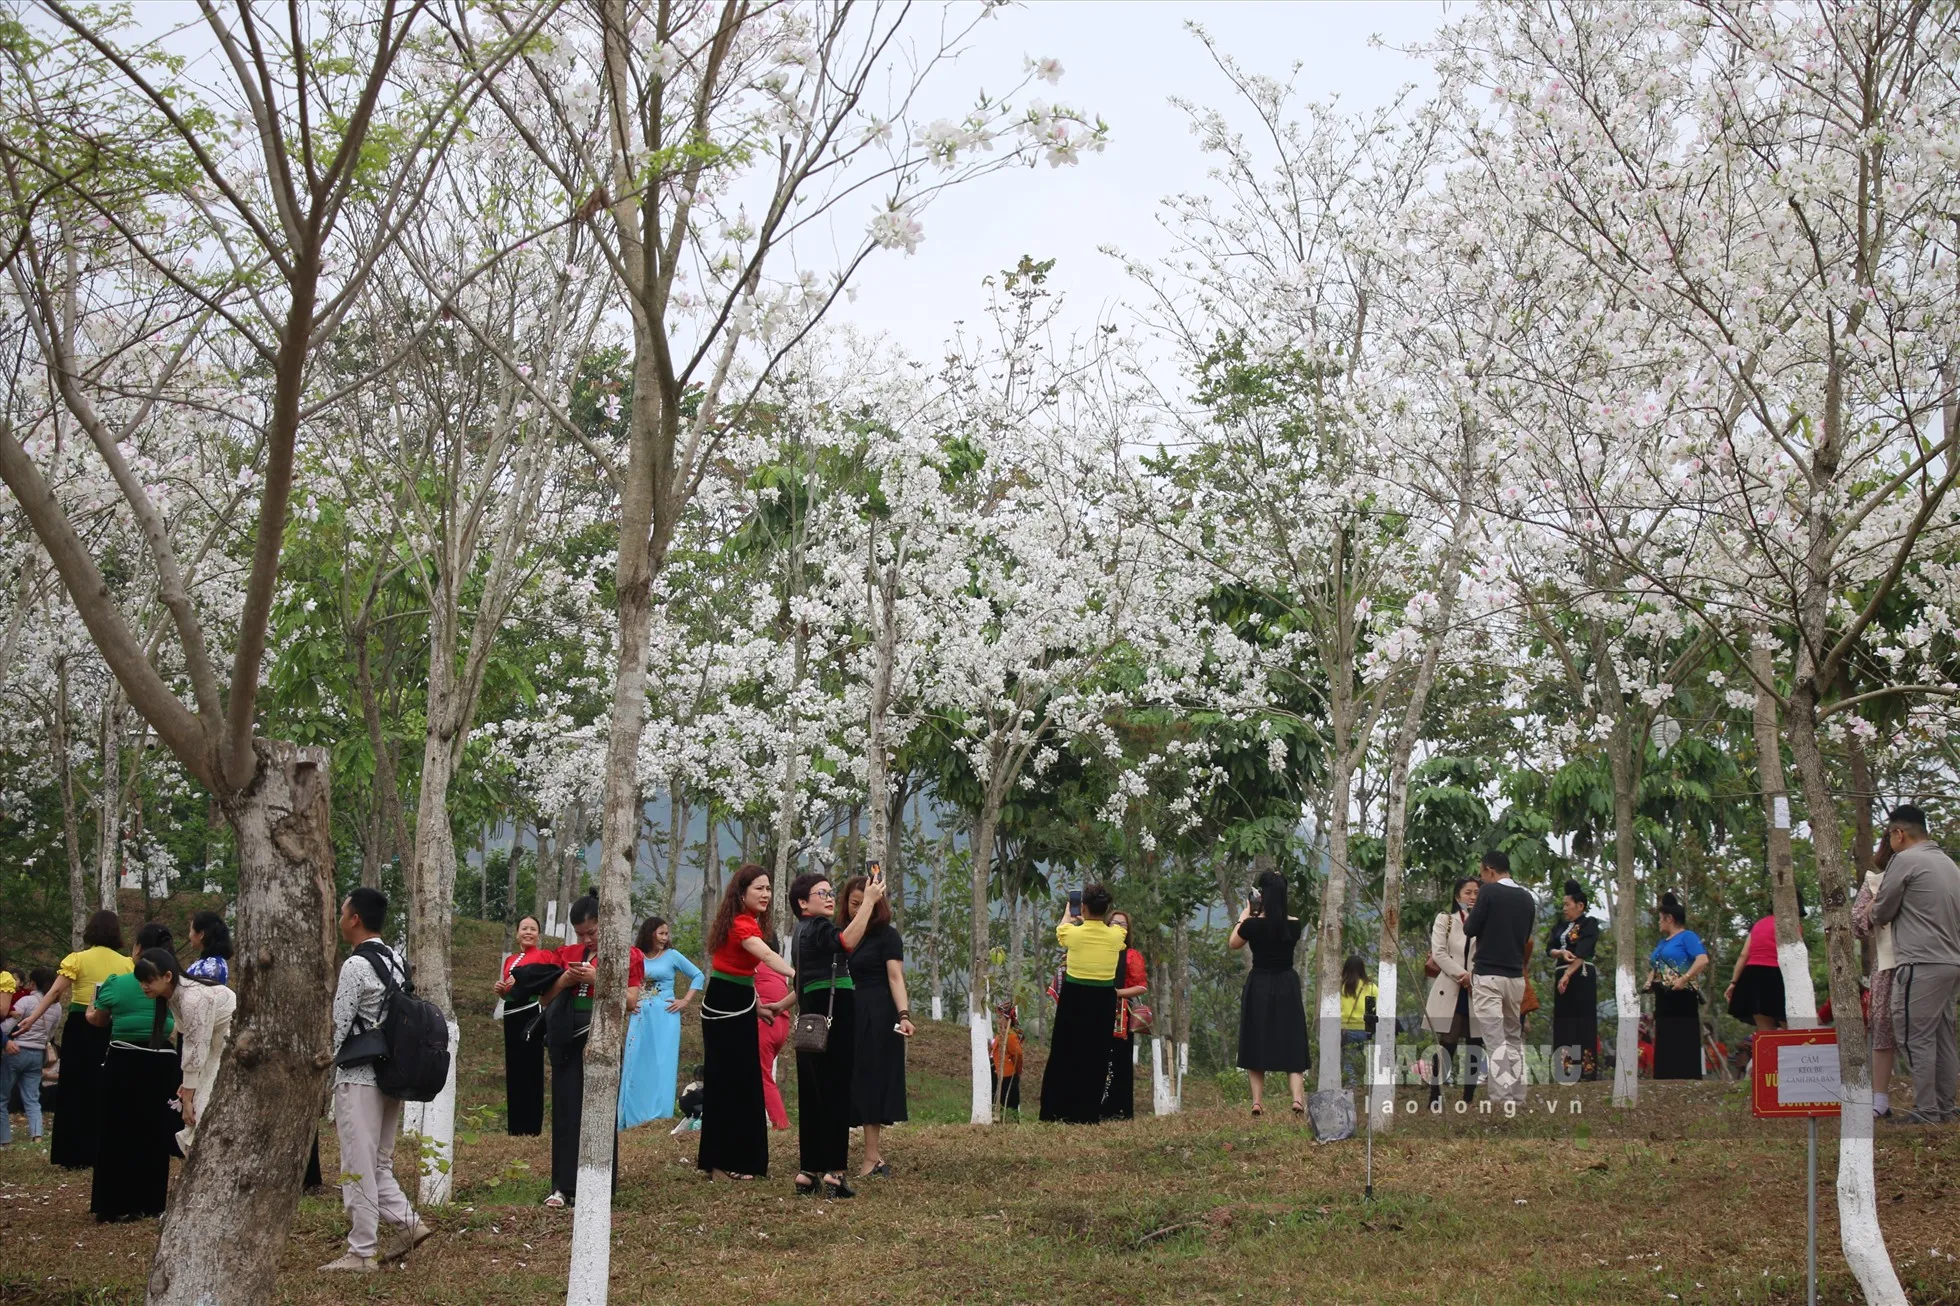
(365, 1117)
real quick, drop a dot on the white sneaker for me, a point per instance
(555, 1202)
(358, 1264)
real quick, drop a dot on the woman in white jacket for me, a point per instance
(203, 1013)
(1446, 1013)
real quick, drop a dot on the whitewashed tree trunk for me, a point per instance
(1857, 1189)
(979, 1020)
(244, 1174)
(1621, 747)
(938, 939)
(1792, 953)
(1382, 1067)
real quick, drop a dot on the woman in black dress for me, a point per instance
(1272, 1012)
(734, 1122)
(820, 951)
(1575, 1009)
(884, 1022)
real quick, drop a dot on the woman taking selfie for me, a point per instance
(1677, 961)
(1132, 982)
(1085, 1012)
(884, 1022)
(1446, 1012)
(1272, 1013)
(653, 1041)
(821, 951)
(1575, 981)
(525, 975)
(734, 1131)
(140, 1079)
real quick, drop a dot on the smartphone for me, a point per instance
(1254, 902)
(1075, 902)
(876, 871)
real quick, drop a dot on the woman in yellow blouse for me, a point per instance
(1358, 994)
(83, 1045)
(1085, 1012)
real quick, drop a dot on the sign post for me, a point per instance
(1795, 1073)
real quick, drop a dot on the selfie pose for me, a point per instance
(1085, 1011)
(1272, 1013)
(825, 1036)
(884, 1022)
(734, 1130)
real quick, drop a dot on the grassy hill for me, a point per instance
(1686, 1198)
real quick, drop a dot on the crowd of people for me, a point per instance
(144, 1038)
(136, 1059)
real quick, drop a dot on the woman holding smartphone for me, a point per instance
(884, 1021)
(1085, 1011)
(821, 952)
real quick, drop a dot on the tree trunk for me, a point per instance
(1792, 954)
(1017, 937)
(678, 816)
(937, 940)
(71, 839)
(711, 873)
(1332, 903)
(431, 925)
(510, 886)
(1621, 748)
(978, 1021)
(544, 879)
(1381, 1074)
(242, 1179)
(1857, 1193)
(108, 793)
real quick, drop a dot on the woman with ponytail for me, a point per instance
(136, 1096)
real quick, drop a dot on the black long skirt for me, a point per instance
(734, 1122)
(1078, 1060)
(878, 1073)
(1272, 1022)
(1575, 1025)
(1677, 1034)
(1759, 992)
(132, 1161)
(823, 1088)
(83, 1047)
(1120, 1091)
(567, 1120)
(523, 1073)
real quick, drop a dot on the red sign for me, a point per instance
(1795, 1073)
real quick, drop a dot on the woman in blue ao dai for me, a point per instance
(653, 1037)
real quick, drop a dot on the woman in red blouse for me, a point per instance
(523, 1042)
(1132, 981)
(734, 1128)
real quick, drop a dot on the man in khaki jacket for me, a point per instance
(1920, 900)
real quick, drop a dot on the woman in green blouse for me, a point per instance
(138, 1091)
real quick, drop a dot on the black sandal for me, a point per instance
(882, 1170)
(1257, 1110)
(805, 1184)
(837, 1187)
(1299, 1108)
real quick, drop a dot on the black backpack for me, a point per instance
(411, 1057)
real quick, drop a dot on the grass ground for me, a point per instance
(1686, 1198)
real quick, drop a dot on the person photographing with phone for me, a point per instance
(825, 1035)
(884, 1019)
(1085, 1010)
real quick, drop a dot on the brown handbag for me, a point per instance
(1429, 966)
(811, 1032)
(1530, 1003)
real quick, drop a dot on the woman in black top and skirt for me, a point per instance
(1575, 1009)
(884, 1022)
(1272, 1013)
(820, 952)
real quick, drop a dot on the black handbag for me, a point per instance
(811, 1032)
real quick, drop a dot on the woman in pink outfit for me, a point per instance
(772, 999)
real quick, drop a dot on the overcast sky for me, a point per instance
(1122, 59)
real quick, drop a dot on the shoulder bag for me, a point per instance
(812, 1032)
